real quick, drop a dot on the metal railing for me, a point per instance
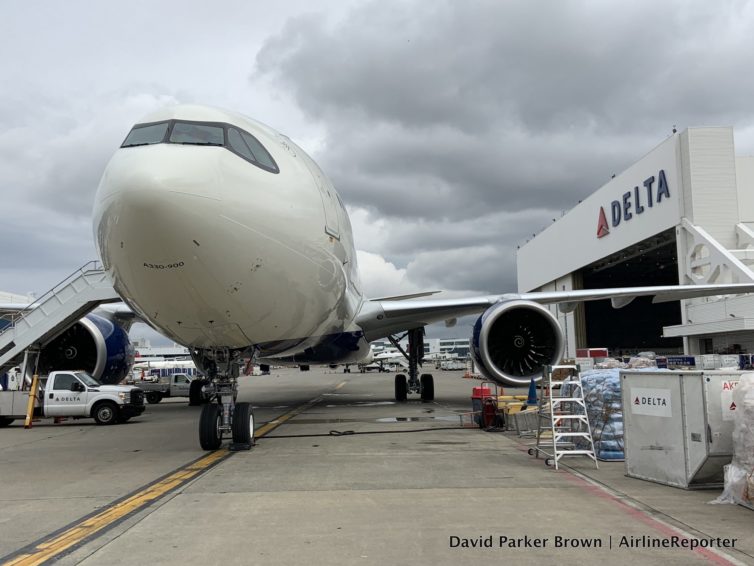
(15, 317)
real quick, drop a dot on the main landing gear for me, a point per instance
(424, 384)
(221, 415)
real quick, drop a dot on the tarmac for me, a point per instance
(341, 475)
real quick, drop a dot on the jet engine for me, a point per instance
(513, 340)
(95, 345)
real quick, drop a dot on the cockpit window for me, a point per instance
(260, 153)
(197, 134)
(248, 147)
(181, 132)
(147, 134)
(236, 143)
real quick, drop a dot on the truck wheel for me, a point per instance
(401, 387)
(243, 424)
(105, 413)
(428, 387)
(5, 421)
(195, 393)
(210, 437)
(153, 397)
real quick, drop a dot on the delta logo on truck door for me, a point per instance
(651, 402)
(634, 202)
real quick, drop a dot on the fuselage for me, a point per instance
(222, 233)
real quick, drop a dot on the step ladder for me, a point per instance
(54, 312)
(563, 422)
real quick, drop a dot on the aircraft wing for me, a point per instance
(120, 313)
(380, 318)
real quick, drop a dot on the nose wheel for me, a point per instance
(210, 427)
(222, 416)
(243, 427)
(213, 427)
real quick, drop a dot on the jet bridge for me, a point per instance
(32, 328)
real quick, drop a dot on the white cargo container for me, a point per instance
(678, 425)
(709, 361)
(728, 361)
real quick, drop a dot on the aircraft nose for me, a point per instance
(149, 198)
(149, 172)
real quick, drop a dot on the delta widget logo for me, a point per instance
(602, 228)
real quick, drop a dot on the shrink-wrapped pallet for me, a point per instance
(739, 474)
(602, 397)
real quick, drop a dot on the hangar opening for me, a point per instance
(637, 326)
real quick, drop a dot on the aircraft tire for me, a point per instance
(243, 424)
(195, 393)
(210, 437)
(401, 388)
(428, 387)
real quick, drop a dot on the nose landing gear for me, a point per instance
(222, 416)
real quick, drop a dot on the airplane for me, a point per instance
(224, 235)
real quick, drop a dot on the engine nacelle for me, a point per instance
(95, 345)
(514, 340)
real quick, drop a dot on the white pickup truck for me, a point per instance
(176, 385)
(75, 394)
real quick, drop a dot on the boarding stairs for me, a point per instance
(564, 428)
(54, 312)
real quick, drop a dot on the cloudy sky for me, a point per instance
(453, 130)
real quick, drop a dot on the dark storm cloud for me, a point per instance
(443, 172)
(55, 157)
(447, 115)
(50, 246)
(51, 161)
(482, 269)
(472, 96)
(541, 66)
(442, 234)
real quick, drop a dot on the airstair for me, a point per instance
(54, 312)
(564, 428)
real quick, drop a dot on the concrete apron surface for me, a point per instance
(356, 479)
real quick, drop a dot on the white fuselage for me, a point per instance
(216, 252)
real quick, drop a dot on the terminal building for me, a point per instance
(683, 214)
(456, 347)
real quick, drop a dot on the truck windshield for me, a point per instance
(87, 379)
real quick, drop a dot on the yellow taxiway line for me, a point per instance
(77, 533)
